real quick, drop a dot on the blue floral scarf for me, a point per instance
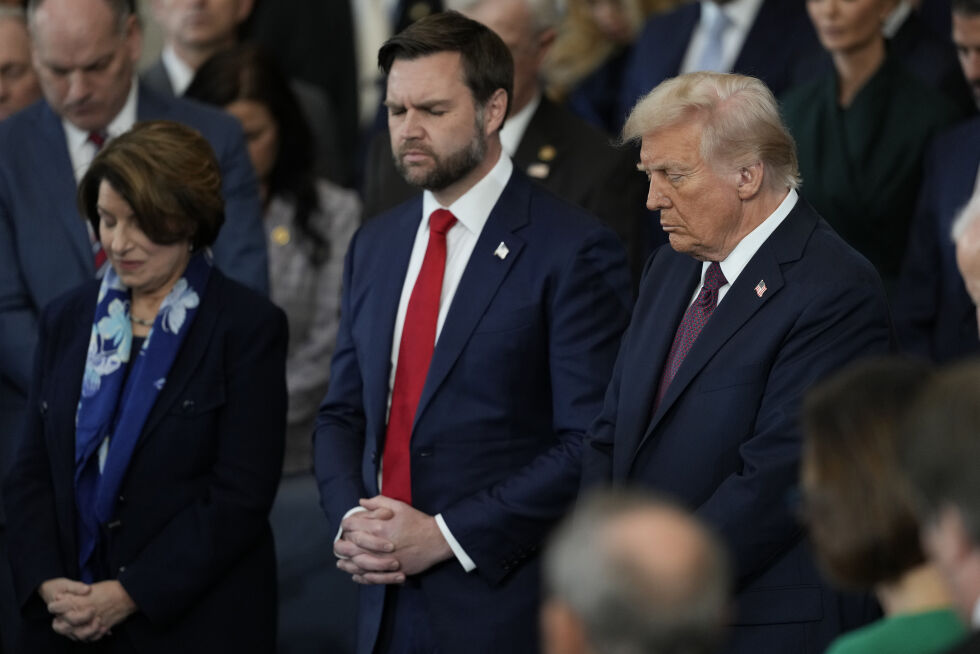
(114, 405)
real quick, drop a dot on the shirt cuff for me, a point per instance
(340, 530)
(454, 545)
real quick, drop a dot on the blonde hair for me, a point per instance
(739, 116)
(581, 48)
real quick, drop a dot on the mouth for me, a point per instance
(414, 156)
(126, 265)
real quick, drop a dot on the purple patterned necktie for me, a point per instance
(695, 318)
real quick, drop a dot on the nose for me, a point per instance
(78, 87)
(119, 240)
(656, 198)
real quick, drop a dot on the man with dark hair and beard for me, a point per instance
(479, 325)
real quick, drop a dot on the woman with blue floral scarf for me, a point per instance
(138, 503)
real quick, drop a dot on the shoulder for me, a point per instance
(799, 98)
(337, 204)
(240, 306)
(827, 260)
(661, 25)
(22, 127)
(210, 121)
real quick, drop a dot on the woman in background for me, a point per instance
(585, 65)
(860, 510)
(308, 221)
(861, 130)
(138, 503)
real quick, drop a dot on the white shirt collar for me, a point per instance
(81, 151)
(180, 74)
(739, 257)
(514, 127)
(472, 209)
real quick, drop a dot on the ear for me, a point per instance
(750, 180)
(494, 112)
(134, 38)
(546, 39)
(561, 630)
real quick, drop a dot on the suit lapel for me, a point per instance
(740, 303)
(478, 286)
(57, 161)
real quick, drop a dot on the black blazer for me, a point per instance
(190, 541)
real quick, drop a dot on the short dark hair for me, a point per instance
(169, 176)
(487, 62)
(941, 445)
(965, 7)
(859, 505)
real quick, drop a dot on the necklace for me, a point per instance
(140, 321)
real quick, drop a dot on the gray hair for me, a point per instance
(623, 606)
(545, 14)
(121, 9)
(741, 121)
(965, 218)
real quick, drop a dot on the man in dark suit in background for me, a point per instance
(939, 452)
(755, 299)
(546, 141)
(764, 38)
(934, 315)
(524, 297)
(85, 52)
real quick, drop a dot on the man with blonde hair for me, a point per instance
(755, 299)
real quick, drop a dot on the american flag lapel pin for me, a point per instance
(502, 251)
(760, 288)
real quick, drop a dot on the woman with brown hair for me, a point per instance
(137, 506)
(860, 510)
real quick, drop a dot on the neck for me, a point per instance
(918, 590)
(754, 213)
(855, 67)
(195, 55)
(455, 191)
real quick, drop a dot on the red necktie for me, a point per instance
(98, 139)
(414, 354)
(695, 318)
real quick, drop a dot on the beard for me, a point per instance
(444, 171)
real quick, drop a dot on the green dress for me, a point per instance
(862, 166)
(912, 633)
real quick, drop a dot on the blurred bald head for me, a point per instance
(628, 573)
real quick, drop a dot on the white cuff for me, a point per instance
(340, 529)
(454, 545)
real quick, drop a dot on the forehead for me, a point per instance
(510, 19)
(680, 142)
(14, 43)
(430, 78)
(76, 32)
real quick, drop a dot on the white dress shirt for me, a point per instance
(738, 258)
(179, 73)
(472, 210)
(516, 124)
(741, 15)
(81, 150)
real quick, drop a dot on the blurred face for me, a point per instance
(201, 23)
(966, 38)
(612, 20)
(438, 137)
(511, 21)
(700, 208)
(144, 266)
(261, 133)
(18, 84)
(845, 26)
(85, 64)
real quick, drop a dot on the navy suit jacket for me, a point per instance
(518, 373)
(780, 38)
(724, 440)
(44, 245)
(934, 315)
(190, 540)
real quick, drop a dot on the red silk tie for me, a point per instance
(98, 139)
(414, 354)
(695, 318)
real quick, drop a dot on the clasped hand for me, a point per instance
(85, 612)
(388, 541)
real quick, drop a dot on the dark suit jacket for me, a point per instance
(934, 315)
(190, 541)
(44, 245)
(780, 38)
(724, 440)
(518, 372)
(567, 156)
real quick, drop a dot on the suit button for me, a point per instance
(44, 407)
(122, 569)
(374, 456)
(188, 406)
(424, 453)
